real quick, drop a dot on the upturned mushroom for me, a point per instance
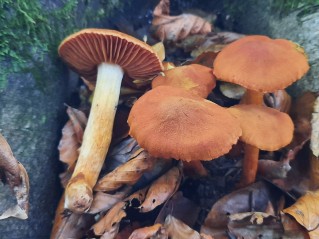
(101, 56)
(261, 65)
(181, 125)
(195, 78)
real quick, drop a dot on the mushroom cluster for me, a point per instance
(174, 119)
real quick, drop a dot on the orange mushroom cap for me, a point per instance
(263, 127)
(170, 122)
(195, 78)
(261, 64)
(86, 49)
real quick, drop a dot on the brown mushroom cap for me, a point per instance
(195, 78)
(172, 123)
(263, 127)
(261, 64)
(86, 49)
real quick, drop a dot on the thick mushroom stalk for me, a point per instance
(96, 139)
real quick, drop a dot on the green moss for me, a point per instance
(285, 6)
(30, 33)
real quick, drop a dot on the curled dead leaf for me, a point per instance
(126, 174)
(159, 49)
(177, 229)
(110, 223)
(162, 189)
(306, 211)
(175, 28)
(279, 100)
(146, 232)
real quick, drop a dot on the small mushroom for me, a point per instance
(261, 65)
(101, 56)
(262, 128)
(195, 78)
(170, 122)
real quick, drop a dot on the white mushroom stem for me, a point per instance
(96, 139)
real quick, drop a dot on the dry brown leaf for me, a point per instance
(215, 42)
(79, 121)
(146, 232)
(162, 189)
(110, 223)
(175, 28)
(138, 195)
(205, 59)
(306, 212)
(279, 100)
(178, 230)
(69, 145)
(15, 175)
(271, 169)
(8, 164)
(292, 228)
(103, 201)
(256, 197)
(181, 208)
(128, 173)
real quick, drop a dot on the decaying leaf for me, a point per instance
(253, 198)
(279, 100)
(162, 189)
(79, 121)
(69, 145)
(14, 174)
(232, 91)
(110, 223)
(306, 212)
(126, 174)
(69, 225)
(271, 169)
(206, 59)
(138, 195)
(254, 225)
(292, 228)
(103, 201)
(181, 208)
(176, 229)
(146, 232)
(314, 141)
(175, 28)
(215, 42)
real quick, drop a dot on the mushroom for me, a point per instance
(182, 125)
(261, 65)
(102, 56)
(195, 78)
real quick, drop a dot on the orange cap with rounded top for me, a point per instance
(195, 78)
(170, 122)
(263, 127)
(261, 64)
(86, 49)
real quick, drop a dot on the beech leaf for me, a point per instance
(126, 174)
(109, 224)
(306, 212)
(162, 189)
(176, 229)
(175, 28)
(146, 232)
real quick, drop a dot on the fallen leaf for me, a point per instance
(256, 197)
(110, 223)
(175, 28)
(181, 208)
(306, 212)
(14, 174)
(271, 169)
(206, 58)
(176, 229)
(162, 189)
(128, 173)
(254, 225)
(79, 121)
(138, 195)
(69, 145)
(232, 91)
(292, 228)
(314, 141)
(279, 100)
(146, 232)
(103, 201)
